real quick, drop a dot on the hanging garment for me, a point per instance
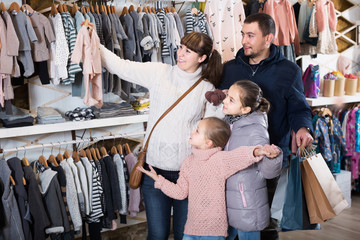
(9, 47)
(13, 223)
(197, 23)
(350, 143)
(106, 198)
(88, 170)
(118, 161)
(87, 48)
(59, 51)
(253, 6)
(79, 192)
(6, 89)
(165, 52)
(44, 33)
(50, 191)
(61, 178)
(21, 195)
(326, 27)
(40, 218)
(71, 196)
(84, 187)
(26, 34)
(97, 191)
(70, 35)
(134, 197)
(226, 19)
(284, 17)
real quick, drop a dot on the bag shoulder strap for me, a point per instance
(169, 109)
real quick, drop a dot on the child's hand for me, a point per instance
(270, 151)
(152, 173)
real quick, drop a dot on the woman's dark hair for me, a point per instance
(203, 45)
(252, 96)
(266, 22)
(217, 131)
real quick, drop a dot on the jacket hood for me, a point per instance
(254, 118)
(45, 179)
(275, 56)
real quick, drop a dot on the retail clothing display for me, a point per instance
(226, 19)
(87, 48)
(109, 109)
(46, 115)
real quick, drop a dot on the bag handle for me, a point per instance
(168, 110)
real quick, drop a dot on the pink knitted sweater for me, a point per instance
(202, 178)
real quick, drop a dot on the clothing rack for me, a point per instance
(91, 139)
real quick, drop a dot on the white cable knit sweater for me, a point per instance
(168, 146)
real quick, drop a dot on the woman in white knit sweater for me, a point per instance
(168, 146)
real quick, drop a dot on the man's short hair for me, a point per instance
(266, 22)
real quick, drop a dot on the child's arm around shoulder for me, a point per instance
(179, 191)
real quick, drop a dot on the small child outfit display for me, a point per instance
(87, 47)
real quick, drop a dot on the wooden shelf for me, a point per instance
(70, 125)
(323, 101)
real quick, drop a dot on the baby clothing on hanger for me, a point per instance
(87, 48)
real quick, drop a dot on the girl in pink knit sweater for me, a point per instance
(203, 176)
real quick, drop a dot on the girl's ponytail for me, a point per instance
(264, 105)
(212, 71)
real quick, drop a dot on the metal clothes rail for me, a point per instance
(52, 144)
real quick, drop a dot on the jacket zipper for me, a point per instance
(241, 188)
(253, 72)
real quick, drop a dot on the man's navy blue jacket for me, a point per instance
(281, 83)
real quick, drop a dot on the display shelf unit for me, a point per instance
(70, 126)
(324, 101)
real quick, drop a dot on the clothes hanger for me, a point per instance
(12, 180)
(61, 8)
(14, 7)
(24, 160)
(66, 154)
(83, 10)
(119, 148)
(65, 8)
(153, 10)
(113, 150)
(59, 157)
(43, 161)
(145, 10)
(127, 148)
(97, 9)
(92, 9)
(98, 153)
(325, 112)
(149, 9)
(109, 9)
(113, 10)
(139, 9)
(54, 10)
(52, 160)
(88, 154)
(74, 9)
(131, 8)
(103, 151)
(93, 154)
(2, 7)
(173, 10)
(26, 7)
(82, 153)
(124, 11)
(76, 156)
